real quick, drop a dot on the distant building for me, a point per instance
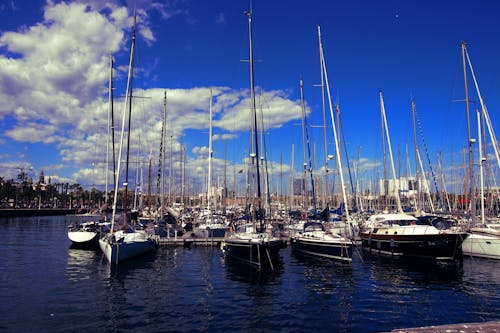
(408, 186)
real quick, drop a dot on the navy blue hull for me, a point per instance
(445, 246)
(334, 250)
(253, 253)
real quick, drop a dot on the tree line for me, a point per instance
(23, 192)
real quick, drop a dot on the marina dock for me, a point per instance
(189, 241)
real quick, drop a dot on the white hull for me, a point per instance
(482, 245)
(83, 237)
(121, 245)
(323, 244)
(86, 233)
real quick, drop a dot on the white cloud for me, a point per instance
(200, 150)
(53, 83)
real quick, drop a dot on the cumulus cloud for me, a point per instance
(53, 87)
(200, 150)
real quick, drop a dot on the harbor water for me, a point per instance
(47, 286)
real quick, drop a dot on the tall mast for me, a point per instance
(336, 139)
(304, 166)
(484, 111)
(127, 157)
(307, 166)
(396, 187)
(415, 147)
(470, 141)
(110, 124)
(254, 119)
(481, 160)
(323, 109)
(210, 153)
(160, 183)
(122, 134)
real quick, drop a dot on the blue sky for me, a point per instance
(54, 78)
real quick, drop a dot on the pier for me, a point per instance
(188, 241)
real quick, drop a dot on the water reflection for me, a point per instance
(81, 262)
(401, 271)
(113, 272)
(241, 272)
(482, 277)
(176, 289)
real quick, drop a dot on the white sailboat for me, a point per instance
(314, 239)
(127, 242)
(208, 224)
(484, 238)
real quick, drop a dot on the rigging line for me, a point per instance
(342, 137)
(309, 155)
(264, 155)
(421, 133)
(310, 167)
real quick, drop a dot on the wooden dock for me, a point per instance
(187, 240)
(190, 241)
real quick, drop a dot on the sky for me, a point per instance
(54, 77)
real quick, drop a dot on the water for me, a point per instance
(46, 286)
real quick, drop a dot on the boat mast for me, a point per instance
(110, 129)
(127, 157)
(396, 187)
(128, 96)
(335, 136)
(160, 183)
(484, 110)
(481, 160)
(470, 141)
(210, 153)
(306, 166)
(323, 108)
(254, 119)
(415, 147)
(264, 159)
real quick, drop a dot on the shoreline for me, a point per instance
(23, 212)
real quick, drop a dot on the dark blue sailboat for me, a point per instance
(251, 244)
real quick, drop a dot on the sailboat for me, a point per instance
(208, 224)
(250, 244)
(314, 239)
(402, 235)
(127, 242)
(484, 238)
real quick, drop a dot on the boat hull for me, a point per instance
(482, 245)
(118, 249)
(441, 246)
(255, 252)
(84, 238)
(338, 249)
